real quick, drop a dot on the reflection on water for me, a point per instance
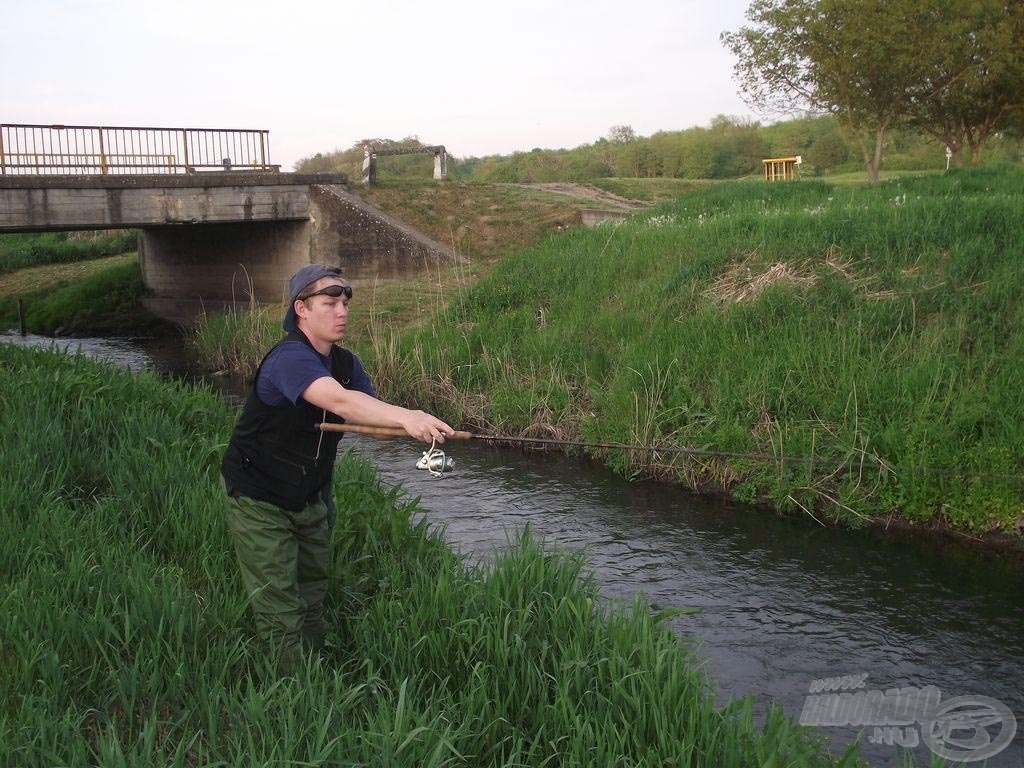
(128, 353)
(783, 602)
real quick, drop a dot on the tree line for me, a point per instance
(727, 148)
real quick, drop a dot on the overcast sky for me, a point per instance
(479, 77)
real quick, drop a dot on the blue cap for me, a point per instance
(299, 282)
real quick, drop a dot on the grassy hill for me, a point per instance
(863, 348)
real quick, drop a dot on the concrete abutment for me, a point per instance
(211, 241)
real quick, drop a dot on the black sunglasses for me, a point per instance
(334, 291)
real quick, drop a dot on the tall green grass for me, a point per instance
(875, 334)
(126, 640)
(236, 340)
(18, 251)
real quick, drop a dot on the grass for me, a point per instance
(650, 190)
(873, 334)
(867, 340)
(36, 280)
(100, 296)
(127, 642)
(481, 222)
(18, 251)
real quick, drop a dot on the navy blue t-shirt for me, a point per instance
(292, 366)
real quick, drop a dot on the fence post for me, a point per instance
(103, 155)
(3, 155)
(263, 151)
(184, 149)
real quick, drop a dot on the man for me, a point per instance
(278, 467)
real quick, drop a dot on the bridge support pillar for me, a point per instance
(210, 267)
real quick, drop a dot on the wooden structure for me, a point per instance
(781, 168)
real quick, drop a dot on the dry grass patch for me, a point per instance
(748, 278)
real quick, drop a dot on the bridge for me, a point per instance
(218, 224)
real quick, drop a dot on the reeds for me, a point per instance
(126, 640)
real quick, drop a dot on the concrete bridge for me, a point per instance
(221, 238)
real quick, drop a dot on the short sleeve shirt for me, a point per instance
(292, 366)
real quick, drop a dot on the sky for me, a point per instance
(478, 77)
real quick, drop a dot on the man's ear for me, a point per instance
(301, 310)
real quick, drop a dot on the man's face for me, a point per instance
(325, 316)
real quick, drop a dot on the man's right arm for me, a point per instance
(360, 408)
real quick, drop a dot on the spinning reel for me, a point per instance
(435, 462)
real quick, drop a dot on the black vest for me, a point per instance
(277, 453)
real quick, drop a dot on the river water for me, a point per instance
(783, 602)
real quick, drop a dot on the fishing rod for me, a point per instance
(463, 435)
(437, 463)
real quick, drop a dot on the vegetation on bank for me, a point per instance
(127, 641)
(868, 340)
(96, 297)
(19, 251)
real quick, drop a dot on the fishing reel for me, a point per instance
(434, 461)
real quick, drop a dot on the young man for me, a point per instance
(278, 467)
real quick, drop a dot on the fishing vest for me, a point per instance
(276, 453)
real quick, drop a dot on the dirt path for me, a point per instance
(588, 194)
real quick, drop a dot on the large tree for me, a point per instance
(856, 59)
(975, 49)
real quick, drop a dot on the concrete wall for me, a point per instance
(364, 241)
(591, 217)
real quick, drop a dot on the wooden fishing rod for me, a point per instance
(853, 462)
(383, 432)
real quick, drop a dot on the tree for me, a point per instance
(977, 54)
(851, 58)
(621, 134)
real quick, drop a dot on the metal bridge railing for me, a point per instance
(70, 150)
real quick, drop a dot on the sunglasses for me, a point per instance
(334, 291)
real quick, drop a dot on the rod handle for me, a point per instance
(361, 429)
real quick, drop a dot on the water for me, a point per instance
(131, 353)
(782, 602)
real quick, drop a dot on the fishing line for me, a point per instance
(851, 464)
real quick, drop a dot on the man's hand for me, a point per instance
(426, 428)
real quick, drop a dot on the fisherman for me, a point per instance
(277, 469)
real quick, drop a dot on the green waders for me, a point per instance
(284, 558)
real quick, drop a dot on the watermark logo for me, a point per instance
(962, 729)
